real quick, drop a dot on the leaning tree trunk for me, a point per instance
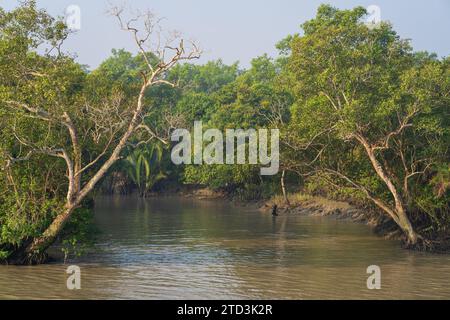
(34, 251)
(401, 216)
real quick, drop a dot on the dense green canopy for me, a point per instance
(362, 117)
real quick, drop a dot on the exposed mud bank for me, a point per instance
(380, 224)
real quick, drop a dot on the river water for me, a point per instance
(177, 248)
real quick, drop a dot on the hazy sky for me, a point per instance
(239, 30)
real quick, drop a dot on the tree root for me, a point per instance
(21, 256)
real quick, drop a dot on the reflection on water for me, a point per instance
(173, 248)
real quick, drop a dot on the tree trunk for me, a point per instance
(400, 211)
(407, 227)
(42, 243)
(283, 189)
(35, 251)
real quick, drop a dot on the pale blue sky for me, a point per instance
(239, 30)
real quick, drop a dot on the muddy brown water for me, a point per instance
(177, 248)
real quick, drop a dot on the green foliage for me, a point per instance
(79, 233)
(334, 84)
(356, 86)
(220, 176)
(38, 81)
(196, 106)
(143, 167)
(31, 191)
(207, 78)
